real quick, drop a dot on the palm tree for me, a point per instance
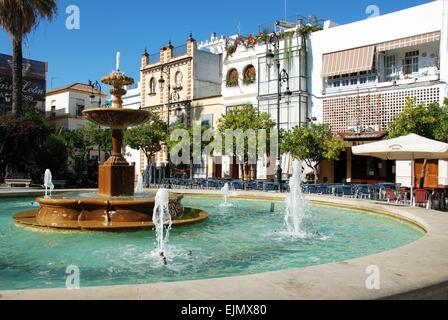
(18, 18)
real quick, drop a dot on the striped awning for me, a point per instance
(410, 41)
(348, 61)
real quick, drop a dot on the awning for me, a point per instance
(348, 61)
(410, 41)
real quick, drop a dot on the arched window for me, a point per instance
(152, 86)
(250, 75)
(232, 78)
(178, 79)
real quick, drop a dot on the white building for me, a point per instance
(64, 105)
(248, 79)
(363, 72)
(132, 100)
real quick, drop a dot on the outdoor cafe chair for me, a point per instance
(271, 186)
(325, 189)
(347, 192)
(363, 192)
(422, 197)
(393, 196)
(237, 185)
(313, 189)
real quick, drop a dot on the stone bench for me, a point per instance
(18, 182)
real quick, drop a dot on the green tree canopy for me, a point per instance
(98, 136)
(245, 118)
(50, 154)
(75, 142)
(148, 136)
(428, 121)
(312, 145)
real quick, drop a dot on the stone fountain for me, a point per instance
(114, 207)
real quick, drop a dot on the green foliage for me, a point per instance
(98, 136)
(245, 118)
(232, 78)
(250, 75)
(28, 146)
(427, 121)
(441, 130)
(148, 136)
(20, 138)
(19, 17)
(78, 147)
(312, 145)
(51, 154)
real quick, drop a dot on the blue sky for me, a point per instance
(130, 26)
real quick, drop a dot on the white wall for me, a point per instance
(443, 173)
(66, 102)
(403, 173)
(242, 93)
(61, 100)
(132, 99)
(133, 156)
(206, 74)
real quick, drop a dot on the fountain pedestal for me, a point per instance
(116, 180)
(116, 176)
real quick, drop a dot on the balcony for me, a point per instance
(350, 82)
(401, 75)
(409, 73)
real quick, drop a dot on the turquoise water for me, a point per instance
(245, 239)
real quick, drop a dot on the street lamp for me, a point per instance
(282, 77)
(161, 83)
(95, 86)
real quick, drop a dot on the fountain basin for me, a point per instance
(117, 118)
(28, 219)
(94, 212)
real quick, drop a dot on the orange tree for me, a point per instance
(312, 145)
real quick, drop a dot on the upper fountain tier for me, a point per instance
(117, 117)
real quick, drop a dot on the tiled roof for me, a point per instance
(75, 86)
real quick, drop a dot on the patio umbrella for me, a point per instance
(411, 147)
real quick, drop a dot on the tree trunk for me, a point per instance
(191, 168)
(17, 77)
(316, 175)
(423, 174)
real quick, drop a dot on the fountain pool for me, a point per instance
(240, 240)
